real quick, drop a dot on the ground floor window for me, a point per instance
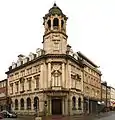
(36, 103)
(22, 104)
(16, 104)
(79, 103)
(28, 103)
(74, 102)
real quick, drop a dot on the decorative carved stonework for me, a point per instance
(56, 67)
(56, 75)
(56, 36)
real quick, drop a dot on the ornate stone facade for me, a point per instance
(51, 80)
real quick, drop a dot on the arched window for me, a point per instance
(22, 104)
(36, 103)
(74, 102)
(79, 103)
(55, 22)
(28, 103)
(62, 23)
(49, 23)
(16, 104)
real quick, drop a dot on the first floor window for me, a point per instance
(37, 81)
(11, 88)
(17, 87)
(29, 83)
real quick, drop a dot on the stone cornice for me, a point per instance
(65, 56)
(84, 57)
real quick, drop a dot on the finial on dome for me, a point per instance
(55, 4)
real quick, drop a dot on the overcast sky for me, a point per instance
(90, 29)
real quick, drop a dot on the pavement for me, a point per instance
(101, 116)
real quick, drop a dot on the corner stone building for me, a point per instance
(51, 80)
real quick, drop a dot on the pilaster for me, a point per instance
(41, 78)
(63, 75)
(49, 74)
(45, 76)
(69, 76)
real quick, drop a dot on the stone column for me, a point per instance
(41, 78)
(49, 74)
(32, 104)
(51, 23)
(60, 24)
(63, 75)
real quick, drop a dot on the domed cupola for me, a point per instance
(55, 20)
(55, 38)
(55, 10)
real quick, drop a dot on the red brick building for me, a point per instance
(3, 94)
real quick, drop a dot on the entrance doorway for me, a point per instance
(56, 106)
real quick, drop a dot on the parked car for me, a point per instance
(7, 114)
(1, 116)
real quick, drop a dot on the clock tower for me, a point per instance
(55, 38)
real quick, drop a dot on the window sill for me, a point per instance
(29, 90)
(79, 108)
(74, 108)
(22, 91)
(36, 89)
